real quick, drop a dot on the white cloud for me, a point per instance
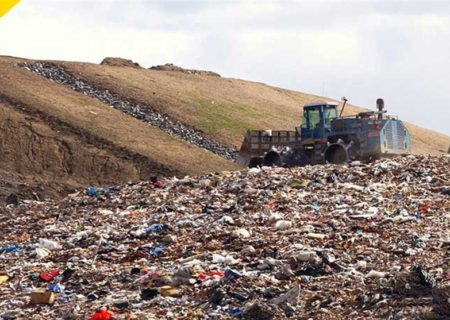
(31, 33)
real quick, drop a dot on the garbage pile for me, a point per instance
(139, 111)
(363, 241)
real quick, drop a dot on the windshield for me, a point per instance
(311, 118)
(329, 113)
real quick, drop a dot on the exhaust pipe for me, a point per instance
(343, 107)
(380, 107)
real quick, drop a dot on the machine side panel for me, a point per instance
(395, 138)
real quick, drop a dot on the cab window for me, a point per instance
(313, 116)
(329, 113)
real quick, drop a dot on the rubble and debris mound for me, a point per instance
(120, 62)
(263, 243)
(172, 67)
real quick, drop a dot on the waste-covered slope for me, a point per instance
(365, 241)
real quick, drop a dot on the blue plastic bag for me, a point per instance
(230, 273)
(156, 228)
(58, 288)
(158, 249)
(91, 191)
(235, 311)
(13, 249)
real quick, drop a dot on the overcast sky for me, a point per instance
(398, 50)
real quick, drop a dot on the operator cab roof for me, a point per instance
(314, 104)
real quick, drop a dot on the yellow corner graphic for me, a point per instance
(6, 5)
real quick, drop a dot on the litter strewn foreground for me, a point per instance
(366, 241)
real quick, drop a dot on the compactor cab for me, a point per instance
(317, 119)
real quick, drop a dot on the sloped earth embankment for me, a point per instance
(140, 111)
(364, 241)
(37, 159)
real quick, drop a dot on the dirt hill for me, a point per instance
(89, 124)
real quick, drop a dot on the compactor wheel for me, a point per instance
(339, 156)
(273, 158)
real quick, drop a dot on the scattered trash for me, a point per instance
(12, 249)
(148, 294)
(48, 244)
(157, 250)
(425, 276)
(41, 253)
(91, 191)
(376, 274)
(49, 276)
(121, 304)
(156, 228)
(12, 200)
(11, 314)
(235, 311)
(102, 314)
(232, 274)
(201, 247)
(240, 233)
(283, 224)
(58, 288)
(259, 311)
(290, 297)
(167, 291)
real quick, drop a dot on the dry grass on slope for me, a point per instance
(97, 119)
(223, 108)
(426, 141)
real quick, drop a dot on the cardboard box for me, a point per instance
(42, 297)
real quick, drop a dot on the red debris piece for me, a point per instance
(158, 184)
(203, 276)
(49, 276)
(102, 315)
